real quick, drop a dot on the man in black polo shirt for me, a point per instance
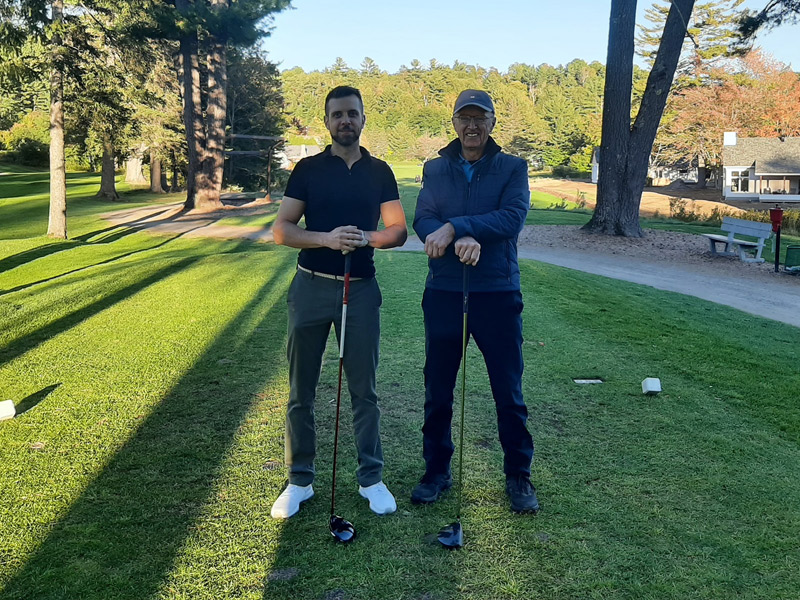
(342, 193)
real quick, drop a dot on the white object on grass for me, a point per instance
(7, 410)
(651, 386)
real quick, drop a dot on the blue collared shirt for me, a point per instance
(469, 168)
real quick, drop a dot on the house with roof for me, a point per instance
(761, 169)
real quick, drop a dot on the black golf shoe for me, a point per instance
(430, 488)
(522, 494)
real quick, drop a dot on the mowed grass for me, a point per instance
(151, 379)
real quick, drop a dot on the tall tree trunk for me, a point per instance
(133, 166)
(57, 223)
(208, 196)
(108, 183)
(616, 120)
(192, 115)
(174, 186)
(625, 150)
(133, 170)
(702, 175)
(156, 175)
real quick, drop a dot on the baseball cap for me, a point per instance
(474, 98)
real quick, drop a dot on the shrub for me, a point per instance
(33, 126)
(567, 172)
(582, 161)
(32, 153)
(560, 205)
(76, 158)
(28, 141)
(678, 210)
(791, 219)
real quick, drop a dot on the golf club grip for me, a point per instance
(465, 285)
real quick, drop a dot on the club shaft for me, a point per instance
(345, 295)
(464, 338)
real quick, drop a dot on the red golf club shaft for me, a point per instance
(345, 294)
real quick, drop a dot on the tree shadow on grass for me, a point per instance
(37, 178)
(118, 257)
(26, 256)
(120, 539)
(21, 345)
(114, 233)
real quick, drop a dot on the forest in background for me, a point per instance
(123, 101)
(548, 115)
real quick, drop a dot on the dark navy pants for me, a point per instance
(495, 323)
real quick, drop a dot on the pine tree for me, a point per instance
(711, 37)
(50, 26)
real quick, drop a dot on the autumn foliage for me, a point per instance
(755, 96)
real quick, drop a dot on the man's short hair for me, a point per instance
(343, 91)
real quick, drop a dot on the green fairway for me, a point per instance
(544, 200)
(151, 378)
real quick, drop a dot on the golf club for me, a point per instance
(452, 536)
(341, 529)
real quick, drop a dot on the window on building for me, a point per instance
(740, 181)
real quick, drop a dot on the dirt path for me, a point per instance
(676, 262)
(170, 218)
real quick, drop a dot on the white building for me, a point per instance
(761, 169)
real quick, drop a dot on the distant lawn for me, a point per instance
(6, 168)
(544, 216)
(265, 219)
(25, 199)
(545, 200)
(150, 375)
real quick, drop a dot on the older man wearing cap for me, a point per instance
(470, 210)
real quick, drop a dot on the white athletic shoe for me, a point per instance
(380, 498)
(288, 503)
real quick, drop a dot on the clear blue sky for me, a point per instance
(489, 34)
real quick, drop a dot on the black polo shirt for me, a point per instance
(334, 196)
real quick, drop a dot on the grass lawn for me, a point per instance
(150, 375)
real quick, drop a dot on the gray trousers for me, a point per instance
(315, 303)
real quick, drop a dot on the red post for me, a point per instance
(776, 216)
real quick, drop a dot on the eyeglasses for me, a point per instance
(466, 121)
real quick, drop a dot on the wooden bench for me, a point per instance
(734, 227)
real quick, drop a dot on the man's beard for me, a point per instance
(347, 137)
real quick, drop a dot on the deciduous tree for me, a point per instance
(625, 149)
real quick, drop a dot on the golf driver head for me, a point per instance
(342, 530)
(452, 536)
